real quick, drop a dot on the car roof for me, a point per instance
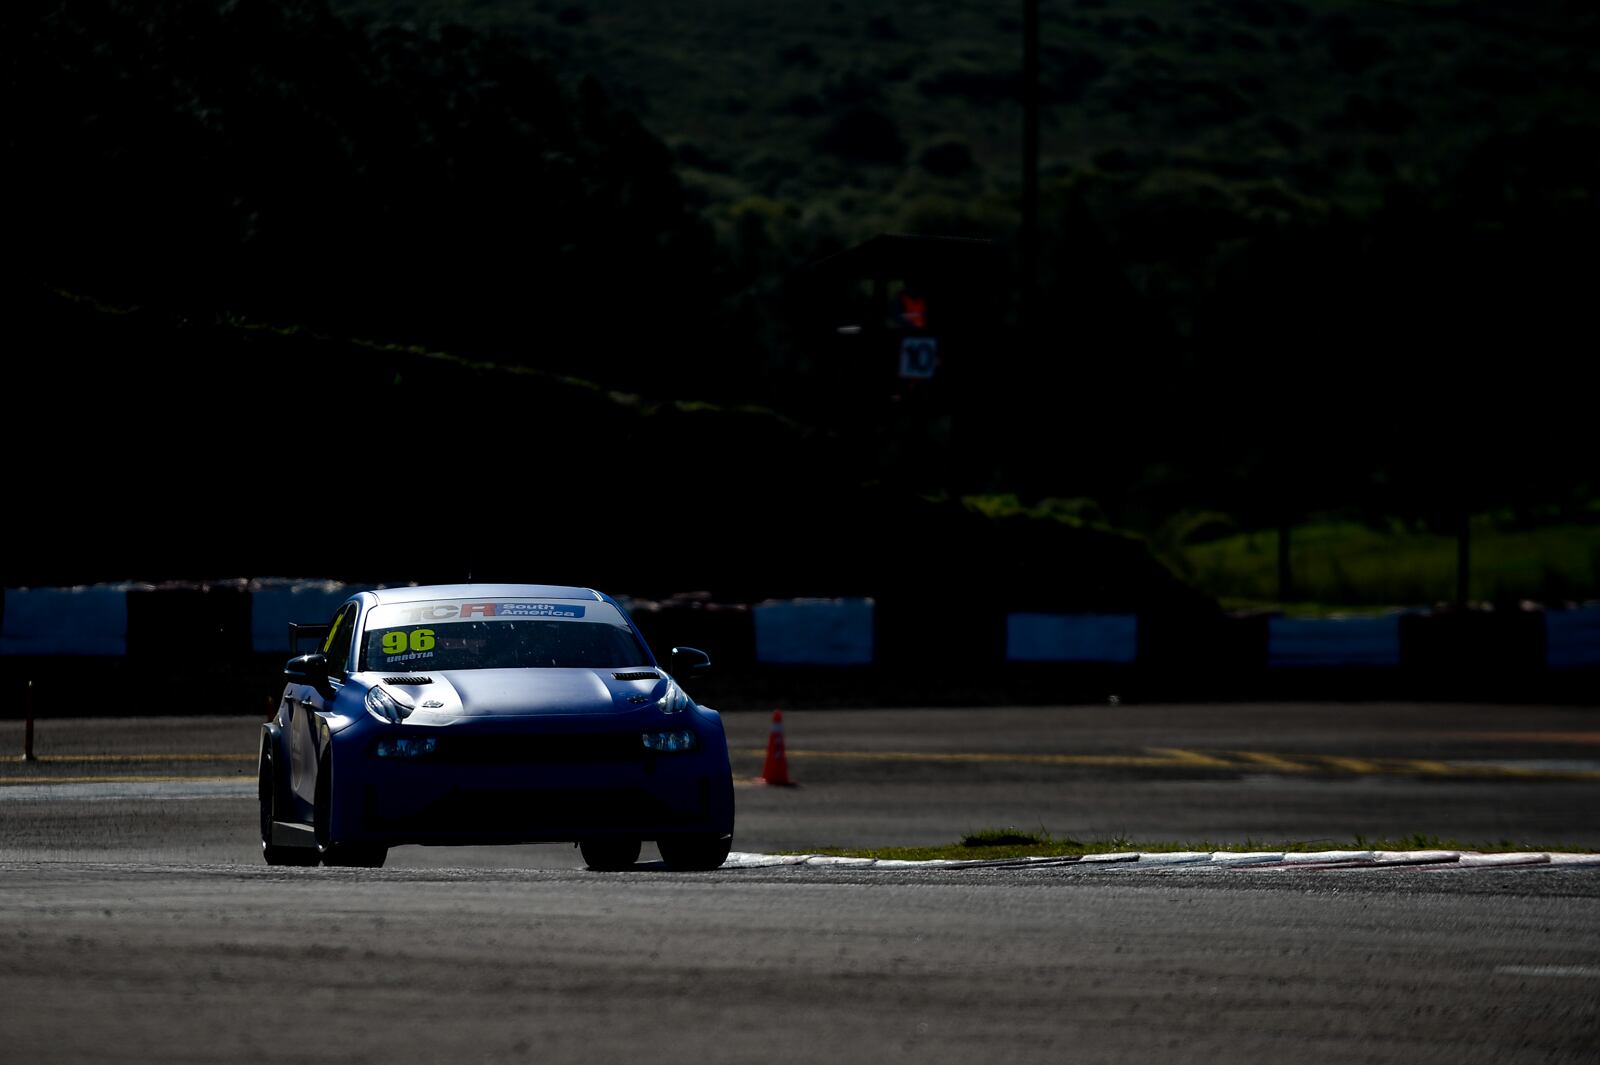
(425, 592)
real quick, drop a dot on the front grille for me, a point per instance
(413, 681)
(548, 750)
(637, 676)
(520, 812)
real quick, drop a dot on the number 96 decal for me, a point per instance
(399, 641)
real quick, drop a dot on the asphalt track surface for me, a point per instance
(137, 922)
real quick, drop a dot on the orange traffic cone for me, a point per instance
(775, 770)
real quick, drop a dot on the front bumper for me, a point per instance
(537, 783)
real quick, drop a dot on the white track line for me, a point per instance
(1198, 860)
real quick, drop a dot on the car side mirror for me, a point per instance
(308, 669)
(689, 661)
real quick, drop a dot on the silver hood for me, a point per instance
(501, 693)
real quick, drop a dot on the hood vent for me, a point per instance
(413, 681)
(637, 676)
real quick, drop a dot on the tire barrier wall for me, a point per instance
(814, 632)
(274, 606)
(184, 648)
(1331, 642)
(1109, 638)
(65, 621)
(1572, 639)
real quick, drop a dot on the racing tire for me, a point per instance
(345, 855)
(276, 855)
(610, 854)
(695, 851)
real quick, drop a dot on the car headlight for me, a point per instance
(676, 740)
(386, 706)
(405, 746)
(675, 700)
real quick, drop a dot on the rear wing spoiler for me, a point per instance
(301, 634)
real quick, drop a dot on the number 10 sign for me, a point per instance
(919, 357)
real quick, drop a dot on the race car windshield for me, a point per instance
(501, 635)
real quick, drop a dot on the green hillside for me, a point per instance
(854, 118)
(1283, 245)
(1296, 259)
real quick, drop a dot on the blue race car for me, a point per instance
(478, 713)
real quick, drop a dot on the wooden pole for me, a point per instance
(1285, 574)
(1029, 250)
(27, 732)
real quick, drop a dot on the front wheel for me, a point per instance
(695, 851)
(276, 854)
(350, 855)
(609, 855)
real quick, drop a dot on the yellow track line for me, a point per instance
(132, 759)
(1275, 762)
(1153, 758)
(979, 757)
(1361, 767)
(151, 778)
(1231, 761)
(1182, 757)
